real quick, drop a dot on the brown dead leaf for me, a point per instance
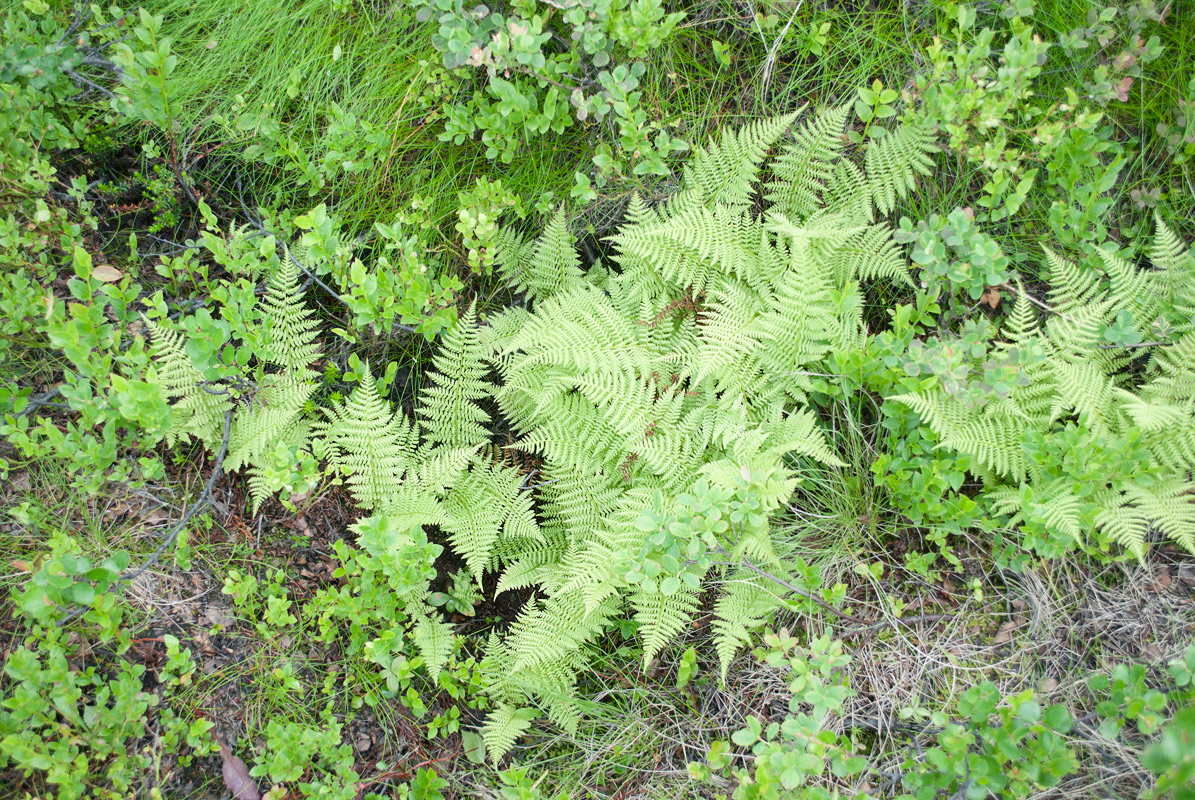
(155, 517)
(215, 614)
(1186, 574)
(1161, 581)
(1004, 634)
(21, 481)
(990, 297)
(106, 273)
(236, 774)
(1049, 685)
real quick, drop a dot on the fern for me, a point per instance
(482, 504)
(743, 607)
(433, 638)
(806, 165)
(661, 617)
(551, 265)
(448, 407)
(684, 369)
(503, 725)
(370, 443)
(268, 412)
(1103, 402)
(197, 410)
(894, 161)
(272, 415)
(290, 330)
(726, 172)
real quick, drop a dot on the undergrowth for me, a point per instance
(619, 399)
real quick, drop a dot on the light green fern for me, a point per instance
(682, 368)
(1107, 401)
(369, 443)
(448, 404)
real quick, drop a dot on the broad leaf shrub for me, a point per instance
(540, 68)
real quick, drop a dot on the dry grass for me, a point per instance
(1047, 629)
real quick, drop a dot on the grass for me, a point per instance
(293, 60)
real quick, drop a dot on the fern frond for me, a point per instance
(290, 328)
(448, 406)
(1135, 290)
(1084, 387)
(868, 254)
(806, 165)
(692, 247)
(370, 443)
(576, 500)
(1170, 508)
(1021, 326)
(267, 418)
(1125, 525)
(730, 331)
(661, 617)
(536, 563)
(800, 324)
(552, 630)
(581, 330)
(1071, 287)
(409, 506)
(195, 411)
(433, 639)
(936, 410)
(503, 725)
(1174, 370)
(485, 502)
(437, 468)
(1153, 417)
(740, 610)
(994, 441)
(1177, 264)
(574, 435)
(798, 433)
(551, 265)
(726, 172)
(893, 163)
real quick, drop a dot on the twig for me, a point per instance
(202, 502)
(403, 771)
(1029, 297)
(82, 13)
(82, 81)
(1132, 346)
(525, 485)
(770, 63)
(894, 621)
(258, 223)
(45, 398)
(794, 589)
